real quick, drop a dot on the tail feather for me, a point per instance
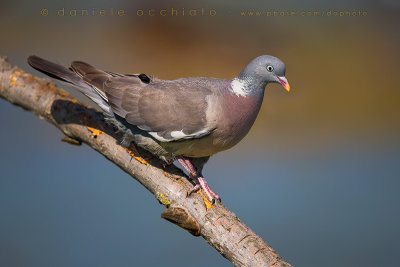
(72, 77)
(92, 76)
(54, 70)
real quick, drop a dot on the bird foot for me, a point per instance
(210, 195)
(194, 189)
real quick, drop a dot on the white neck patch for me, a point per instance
(240, 87)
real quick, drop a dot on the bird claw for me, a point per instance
(211, 195)
(193, 190)
(208, 195)
(215, 199)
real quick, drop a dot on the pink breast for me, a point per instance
(239, 114)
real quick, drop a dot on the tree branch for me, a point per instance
(80, 123)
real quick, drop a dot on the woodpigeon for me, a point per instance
(187, 119)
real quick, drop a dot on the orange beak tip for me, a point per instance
(284, 82)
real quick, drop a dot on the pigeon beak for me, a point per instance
(284, 82)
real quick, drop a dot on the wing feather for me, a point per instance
(168, 110)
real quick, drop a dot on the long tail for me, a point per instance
(61, 73)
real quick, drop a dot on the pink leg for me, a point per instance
(211, 195)
(199, 180)
(188, 166)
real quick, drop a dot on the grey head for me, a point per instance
(257, 74)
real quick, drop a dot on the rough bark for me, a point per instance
(80, 123)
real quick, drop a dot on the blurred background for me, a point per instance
(317, 177)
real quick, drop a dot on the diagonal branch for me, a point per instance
(80, 123)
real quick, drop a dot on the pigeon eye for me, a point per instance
(270, 68)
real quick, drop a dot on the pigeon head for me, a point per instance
(258, 73)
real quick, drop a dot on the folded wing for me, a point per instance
(168, 110)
